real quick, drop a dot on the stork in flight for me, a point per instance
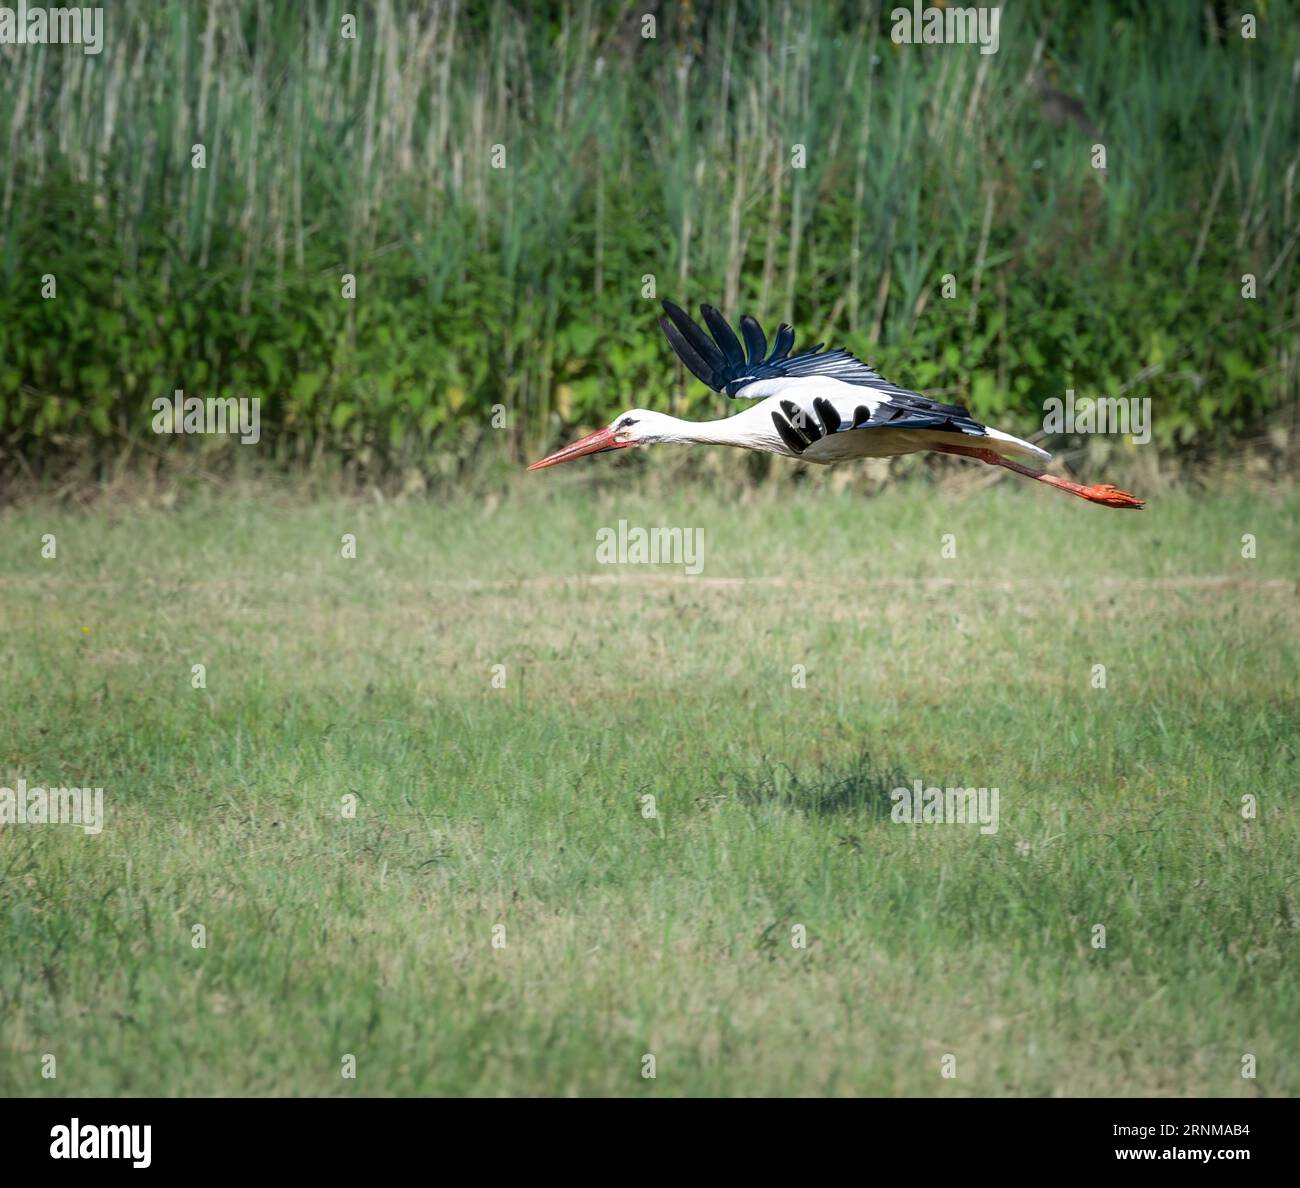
(820, 406)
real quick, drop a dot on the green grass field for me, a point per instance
(522, 806)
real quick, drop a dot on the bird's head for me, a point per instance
(637, 426)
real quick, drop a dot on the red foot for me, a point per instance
(1112, 496)
(1104, 493)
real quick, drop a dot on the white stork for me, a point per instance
(820, 406)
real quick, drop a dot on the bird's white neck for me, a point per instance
(749, 429)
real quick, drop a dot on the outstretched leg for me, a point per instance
(1110, 496)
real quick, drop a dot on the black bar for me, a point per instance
(615, 1137)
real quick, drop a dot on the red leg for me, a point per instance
(1105, 494)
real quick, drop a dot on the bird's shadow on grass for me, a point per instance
(827, 790)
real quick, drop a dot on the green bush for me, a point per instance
(522, 287)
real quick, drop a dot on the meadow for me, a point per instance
(500, 914)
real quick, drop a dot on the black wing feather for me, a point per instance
(826, 413)
(796, 443)
(703, 346)
(755, 339)
(698, 366)
(724, 336)
(784, 341)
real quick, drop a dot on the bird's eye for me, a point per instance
(626, 421)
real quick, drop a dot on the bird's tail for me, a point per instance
(1013, 447)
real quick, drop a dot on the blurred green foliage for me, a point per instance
(524, 287)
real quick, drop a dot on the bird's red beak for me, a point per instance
(593, 443)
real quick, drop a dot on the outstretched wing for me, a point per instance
(748, 372)
(804, 415)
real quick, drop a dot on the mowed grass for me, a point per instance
(522, 806)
